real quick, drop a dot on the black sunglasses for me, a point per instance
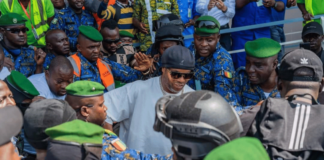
(16, 30)
(206, 24)
(177, 75)
(111, 41)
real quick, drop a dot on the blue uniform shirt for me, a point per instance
(109, 152)
(69, 22)
(216, 73)
(24, 62)
(90, 72)
(187, 9)
(278, 16)
(250, 14)
(247, 93)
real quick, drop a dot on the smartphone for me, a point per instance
(305, 45)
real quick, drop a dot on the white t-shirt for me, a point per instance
(133, 105)
(39, 81)
(4, 73)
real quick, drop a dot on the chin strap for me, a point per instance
(293, 97)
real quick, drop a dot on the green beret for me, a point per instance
(12, 19)
(126, 34)
(21, 83)
(85, 88)
(76, 131)
(239, 149)
(262, 48)
(203, 31)
(91, 33)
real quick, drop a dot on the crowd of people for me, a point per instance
(74, 86)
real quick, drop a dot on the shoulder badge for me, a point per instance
(54, 21)
(110, 133)
(118, 144)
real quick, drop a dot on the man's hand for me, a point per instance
(39, 56)
(220, 5)
(9, 64)
(212, 4)
(142, 28)
(268, 3)
(307, 16)
(190, 23)
(292, 2)
(143, 61)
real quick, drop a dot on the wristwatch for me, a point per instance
(275, 5)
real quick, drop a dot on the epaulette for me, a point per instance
(110, 133)
(117, 143)
(61, 13)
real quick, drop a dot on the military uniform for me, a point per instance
(215, 73)
(23, 58)
(112, 147)
(24, 62)
(69, 22)
(247, 93)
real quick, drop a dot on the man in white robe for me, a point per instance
(133, 105)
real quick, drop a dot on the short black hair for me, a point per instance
(61, 62)
(111, 24)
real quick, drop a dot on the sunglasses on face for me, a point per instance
(109, 41)
(17, 30)
(206, 24)
(177, 75)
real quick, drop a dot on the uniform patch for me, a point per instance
(118, 144)
(54, 21)
(228, 74)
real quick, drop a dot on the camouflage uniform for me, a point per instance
(140, 13)
(247, 93)
(90, 72)
(110, 152)
(215, 73)
(69, 22)
(24, 62)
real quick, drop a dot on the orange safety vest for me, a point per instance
(106, 75)
(95, 15)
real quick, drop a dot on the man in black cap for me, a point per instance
(313, 34)
(294, 117)
(11, 122)
(41, 115)
(166, 36)
(135, 112)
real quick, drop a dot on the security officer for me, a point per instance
(23, 92)
(214, 69)
(70, 19)
(88, 66)
(166, 36)
(289, 126)
(57, 43)
(258, 79)
(196, 123)
(25, 60)
(86, 98)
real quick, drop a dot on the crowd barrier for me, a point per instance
(289, 44)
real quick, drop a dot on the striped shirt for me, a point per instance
(125, 21)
